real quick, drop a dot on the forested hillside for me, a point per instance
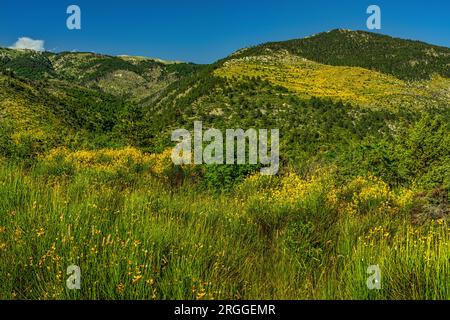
(404, 59)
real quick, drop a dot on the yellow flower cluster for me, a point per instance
(358, 196)
(404, 198)
(199, 289)
(293, 189)
(375, 234)
(290, 189)
(363, 194)
(161, 162)
(101, 160)
(112, 160)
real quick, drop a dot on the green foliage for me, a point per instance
(26, 63)
(409, 60)
(420, 154)
(6, 143)
(225, 177)
(427, 151)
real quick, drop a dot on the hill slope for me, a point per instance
(355, 85)
(325, 92)
(129, 77)
(404, 59)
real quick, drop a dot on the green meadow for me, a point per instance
(136, 236)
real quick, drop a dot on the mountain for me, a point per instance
(124, 76)
(404, 59)
(359, 67)
(267, 85)
(53, 98)
(327, 94)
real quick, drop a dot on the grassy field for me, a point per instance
(116, 214)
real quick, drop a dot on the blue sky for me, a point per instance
(204, 31)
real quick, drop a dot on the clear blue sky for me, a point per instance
(203, 31)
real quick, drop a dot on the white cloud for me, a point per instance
(27, 43)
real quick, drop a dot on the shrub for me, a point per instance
(226, 177)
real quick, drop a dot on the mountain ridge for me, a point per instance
(137, 100)
(405, 59)
(332, 31)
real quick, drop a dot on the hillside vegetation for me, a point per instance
(86, 176)
(404, 59)
(130, 77)
(349, 84)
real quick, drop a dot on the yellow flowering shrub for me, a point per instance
(161, 162)
(288, 190)
(404, 198)
(364, 194)
(107, 160)
(112, 160)
(123, 160)
(256, 183)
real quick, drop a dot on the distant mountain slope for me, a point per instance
(132, 77)
(27, 63)
(89, 67)
(404, 59)
(98, 100)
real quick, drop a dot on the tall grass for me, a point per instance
(135, 236)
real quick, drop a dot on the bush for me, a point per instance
(225, 177)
